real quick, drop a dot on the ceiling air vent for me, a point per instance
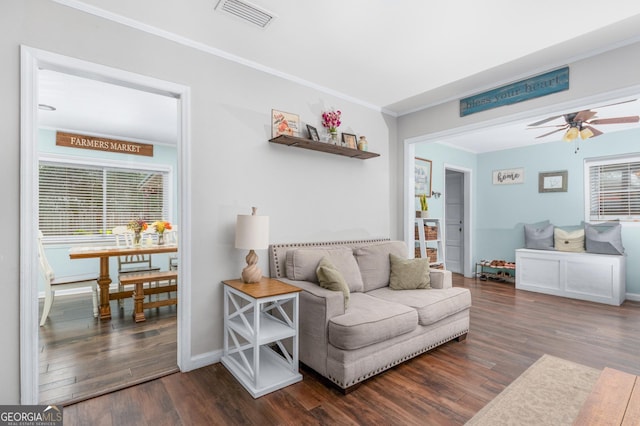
(246, 11)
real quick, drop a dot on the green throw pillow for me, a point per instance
(409, 274)
(330, 278)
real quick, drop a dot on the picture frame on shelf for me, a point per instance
(313, 133)
(350, 140)
(422, 176)
(553, 181)
(284, 123)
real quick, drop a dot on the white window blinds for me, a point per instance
(77, 200)
(614, 190)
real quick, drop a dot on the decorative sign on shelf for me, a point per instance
(73, 140)
(508, 176)
(534, 87)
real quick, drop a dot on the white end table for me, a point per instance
(255, 319)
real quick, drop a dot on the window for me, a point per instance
(78, 200)
(613, 188)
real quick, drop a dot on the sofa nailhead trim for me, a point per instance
(274, 253)
(399, 361)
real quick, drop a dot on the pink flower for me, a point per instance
(331, 120)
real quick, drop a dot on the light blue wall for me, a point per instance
(502, 210)
(441, 155)
(58, 254)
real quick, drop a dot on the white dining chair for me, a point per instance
(171, 237)
(53, 283)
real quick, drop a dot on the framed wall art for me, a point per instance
(349, 140)
(422, 176)
(313, 133)
(553, 181)
(284, 123)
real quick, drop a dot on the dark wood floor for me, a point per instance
(510, 330)
(81, 356)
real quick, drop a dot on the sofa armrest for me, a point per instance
(441, 278)
(317, 306)
(334, 300)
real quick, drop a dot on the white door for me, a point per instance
(454, 216)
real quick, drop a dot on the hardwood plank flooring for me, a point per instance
(510, 330)
(82, 357)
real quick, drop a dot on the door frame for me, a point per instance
(32, 60)
(467, 181)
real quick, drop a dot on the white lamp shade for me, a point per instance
(252, 232)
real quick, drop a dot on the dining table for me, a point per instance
(104, 253)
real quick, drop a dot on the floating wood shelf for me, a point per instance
(322, 146)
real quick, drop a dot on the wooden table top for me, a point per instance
(267, 287)
(614, 400)
(106, 251)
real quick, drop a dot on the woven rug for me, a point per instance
(550, 392)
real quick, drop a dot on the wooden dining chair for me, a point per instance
(53, 283)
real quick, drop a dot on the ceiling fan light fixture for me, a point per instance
(586, 133)
(571, 134)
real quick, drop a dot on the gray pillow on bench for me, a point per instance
(539, 236)
(605, 238)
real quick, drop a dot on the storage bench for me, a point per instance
(585, 276)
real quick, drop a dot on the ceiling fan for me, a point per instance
(580, 123)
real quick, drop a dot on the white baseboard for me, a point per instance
(202, 360)
(633, 296)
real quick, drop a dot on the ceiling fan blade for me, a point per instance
(552, 132)
(537, 123)
(547, 127)
(616, 120)
(617, 103)
(595, 131)
(584, 115)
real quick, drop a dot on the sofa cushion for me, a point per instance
(605, 238)
(539, 236)
(432, 305)
(374, 264)
(370, 320)
(408, 274)
(301, 264)
(330, 278)
(571, 241)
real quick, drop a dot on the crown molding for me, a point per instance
(185, 41)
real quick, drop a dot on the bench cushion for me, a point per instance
(604, 238)
(432, 305)
(539, 236)
(370, 320)
(571, 241)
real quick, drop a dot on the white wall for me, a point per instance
(308, 195)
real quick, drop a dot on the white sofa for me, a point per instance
(380, 327)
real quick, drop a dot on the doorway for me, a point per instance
(33, 61)
(454, 220)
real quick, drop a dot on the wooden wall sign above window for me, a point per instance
(73, 140)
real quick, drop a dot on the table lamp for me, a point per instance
(252, 233)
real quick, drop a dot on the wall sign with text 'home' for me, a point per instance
(534, 87)
(508, 176)
(73, 140)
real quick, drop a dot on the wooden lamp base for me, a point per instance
(251, 273)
